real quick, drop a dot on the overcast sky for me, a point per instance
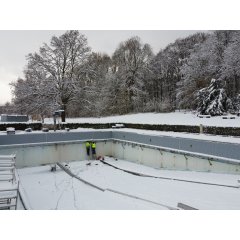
(15, 45)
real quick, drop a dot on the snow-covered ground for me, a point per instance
(43, 189)
(174, 118)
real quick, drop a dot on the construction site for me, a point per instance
(131, 170)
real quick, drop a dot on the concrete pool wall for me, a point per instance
(172, 159)
(30, 155)
(33, 149)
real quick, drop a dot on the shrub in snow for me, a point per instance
(10, 130)
(118, 125)
(236, 103)
(20, 126)
(28, 130)
(158, 106)
(213, 99)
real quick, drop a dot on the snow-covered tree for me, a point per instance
(94, 84)
(132, 62)
(30, 97)
(66, 74)
(112, 100)
(230, 71)
(57, 67)
(7, 108)
(213, 99)
(204, 63)
(163, 85)
(158, 84)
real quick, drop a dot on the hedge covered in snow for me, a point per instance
(231, 131)
(20, 126)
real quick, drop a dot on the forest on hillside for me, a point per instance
(200, 72)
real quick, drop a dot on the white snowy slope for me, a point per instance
(174, 118)
(57, 190)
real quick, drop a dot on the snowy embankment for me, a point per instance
(57, 190)
(175, 118)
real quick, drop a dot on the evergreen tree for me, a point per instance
(204, 63)
(213, 99)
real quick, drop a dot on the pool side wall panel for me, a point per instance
(161, 159)
(35, 149)
(37, 154)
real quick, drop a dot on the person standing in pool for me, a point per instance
(93, 147)
(88, 145)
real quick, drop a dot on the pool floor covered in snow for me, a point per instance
(121, 189)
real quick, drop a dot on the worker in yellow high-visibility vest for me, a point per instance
(93, 146)
(88, 145)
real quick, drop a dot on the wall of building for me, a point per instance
(14, 118)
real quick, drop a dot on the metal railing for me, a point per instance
(9, 185)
